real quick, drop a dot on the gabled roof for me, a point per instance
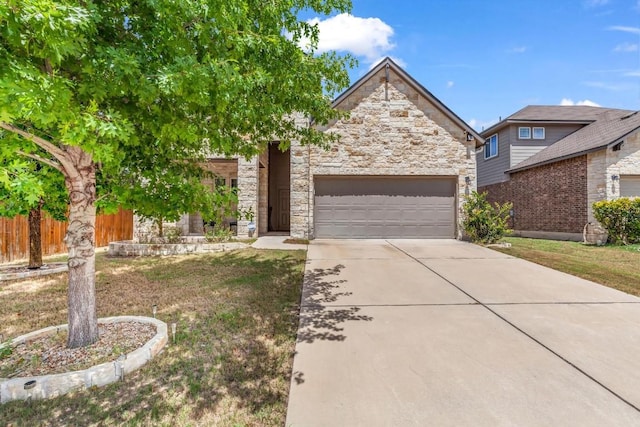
(607, 128)
(388, 62)
(552, 114)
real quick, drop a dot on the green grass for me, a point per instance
(614, 266)
(231, 363)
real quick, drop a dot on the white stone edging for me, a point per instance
(48, 386)
(34, 273)
(128, 248)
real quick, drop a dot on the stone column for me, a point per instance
(300, 191)
(247, 193)
(263, 193)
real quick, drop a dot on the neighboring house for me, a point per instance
(554, 162)
(401, 169)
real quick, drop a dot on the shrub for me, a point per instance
(218, 234)
(483, 222)
(621, 219)
(173, 234)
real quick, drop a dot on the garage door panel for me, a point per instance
(630, 186)
(385, 207)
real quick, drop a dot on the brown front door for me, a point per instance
(283, 209)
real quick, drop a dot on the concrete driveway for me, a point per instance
(446, 333)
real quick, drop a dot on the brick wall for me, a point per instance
(551, 198)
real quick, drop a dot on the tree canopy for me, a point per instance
(106, 92)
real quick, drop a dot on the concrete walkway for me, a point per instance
(277, 242)
(446, 333)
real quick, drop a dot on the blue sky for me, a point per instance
(488, 59)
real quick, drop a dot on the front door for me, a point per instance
(283, 209)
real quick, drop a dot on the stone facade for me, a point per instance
(549, 198)
(248, 186)
(605, 167)
(395, 128)
(392, 130)
(191, 223)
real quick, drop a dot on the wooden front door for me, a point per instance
(283, 209)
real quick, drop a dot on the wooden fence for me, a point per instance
(14, 234)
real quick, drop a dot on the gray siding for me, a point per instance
(553, 133)
(491, 171)
(512, 150)
(523, 152)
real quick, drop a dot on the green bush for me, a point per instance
(483, 222)
(621, 219)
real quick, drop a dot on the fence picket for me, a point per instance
(14, 237)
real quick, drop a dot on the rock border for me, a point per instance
(59, 267)
(54, 385)
(128, 248)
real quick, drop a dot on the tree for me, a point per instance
(28, 188)
(111, 89)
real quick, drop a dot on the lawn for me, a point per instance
(614, 266)
(237, 317)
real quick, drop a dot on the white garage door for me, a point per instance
(630, 186)
(384, 207)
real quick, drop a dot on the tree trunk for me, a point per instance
(160, 227)
(80, 240)
(35, 238)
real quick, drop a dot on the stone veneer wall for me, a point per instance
(227, 169)
(262, 220)
(247, 191)
(604, 164)
(406, 135)
(549, 198)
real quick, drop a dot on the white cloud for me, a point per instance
(363, 37)
(626, 47)
(450, 84)
(616, 87)
(481, 125)
(517, 49)
(587, 102)
(632, 73)
(632, 30)
(595, 3)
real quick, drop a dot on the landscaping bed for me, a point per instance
(617, 267)
(236, 316)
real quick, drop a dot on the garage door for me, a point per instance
(630, 186)
(384, 207)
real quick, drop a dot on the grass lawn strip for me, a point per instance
(237, 317)
(617, 267)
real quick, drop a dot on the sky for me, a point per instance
(487, 59)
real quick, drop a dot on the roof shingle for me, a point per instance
(608, 126)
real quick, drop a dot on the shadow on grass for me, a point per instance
(231, 363)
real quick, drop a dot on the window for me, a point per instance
(220, 182)
(524, 133)
(491, 146)
(234, 183)
(538, 133)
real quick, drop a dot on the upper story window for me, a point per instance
(538, 133)
(491, 146)
(524, 133)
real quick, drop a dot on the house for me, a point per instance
(554, 162)
(402, 167)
